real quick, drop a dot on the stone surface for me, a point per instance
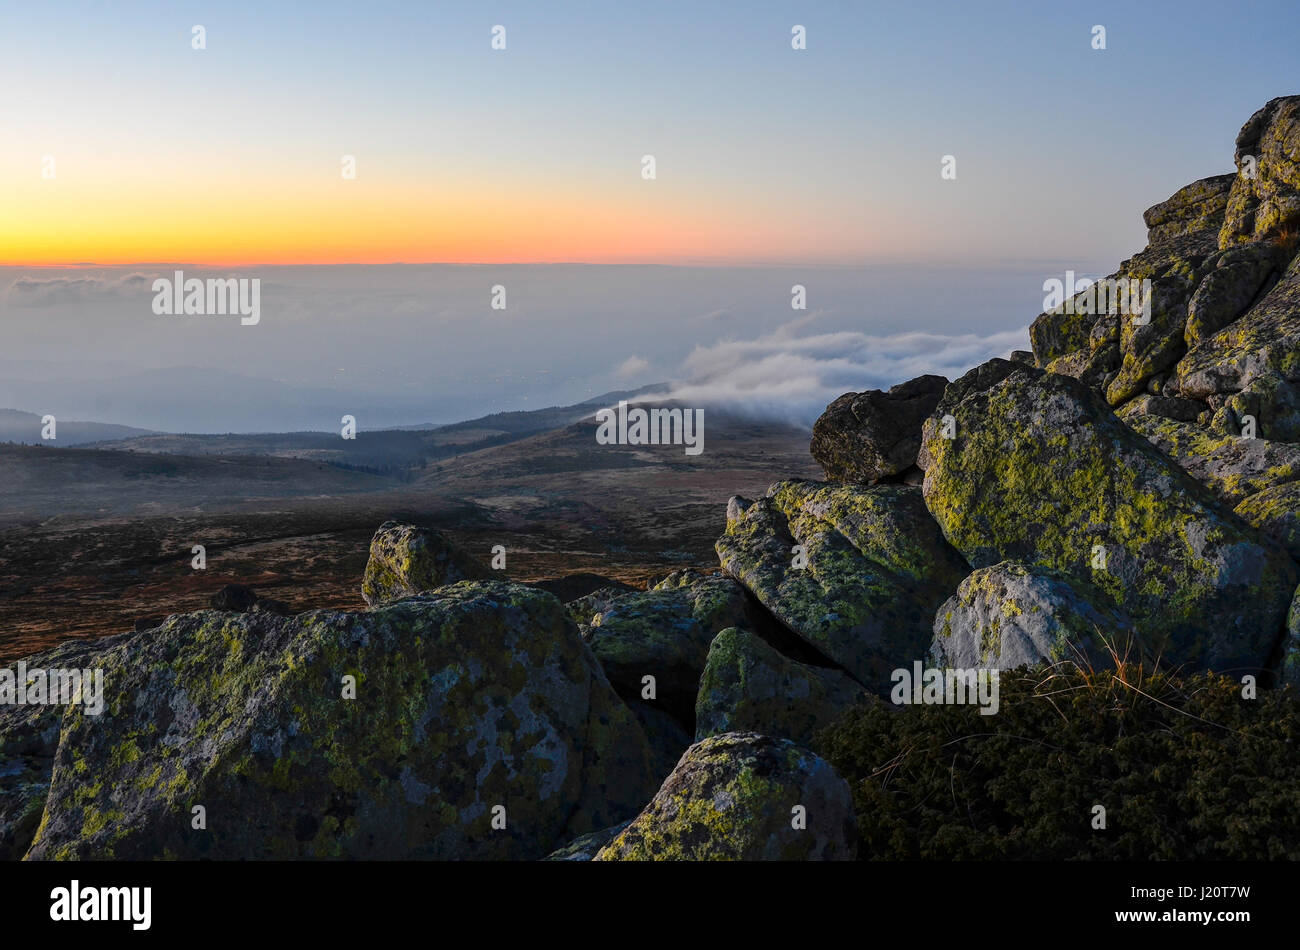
(479, 695)
(734, 797)
(1043, 472)
(665, 632)
(871, 570)
(406, 560)
(748, 686)
(1011, 615)
(874, 435)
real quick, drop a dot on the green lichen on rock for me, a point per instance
(872, 569)
(1232, 466)
(748, 686)
(665, 633)
(29, 737)
(406, 560)
(480, 695)
(1276, 512)
(1289, 661)
(743, 797)
(1265, 203)
(1265, 340)
(1199, 206)
(1041, 471)
(1012, 614)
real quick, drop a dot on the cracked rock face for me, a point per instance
(870, 570)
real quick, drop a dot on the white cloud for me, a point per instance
(632, 366)
(795, 377)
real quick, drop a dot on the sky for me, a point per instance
(229, 160)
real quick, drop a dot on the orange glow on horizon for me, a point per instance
(322, 221)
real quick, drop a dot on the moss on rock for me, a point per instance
(480, 695)
(743, 797)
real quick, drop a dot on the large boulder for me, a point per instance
(870, 569)
(743, 797)
(1199, 206)
(748, 686)
(874, 435)
(406, 560)
(1042, 471)
(409, 731)
(665, 633)
(1011, 615)
(1266, 204)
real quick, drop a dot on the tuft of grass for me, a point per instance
(1186, 768)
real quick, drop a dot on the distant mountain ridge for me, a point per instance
(25, 428)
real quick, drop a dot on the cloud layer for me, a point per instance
(793, 377)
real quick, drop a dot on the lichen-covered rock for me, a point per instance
(869, 436)
(1276, 512)
(743, 797)
(1042, 471)
(587, 607)
(1167, 407)
(1199, 206)
(1011, 615)
(477, 698)
(1237, 280)
(1152, 343)
(748, 686)
(586, 847)
(1264, 341)
(1262, 205)
(665, 632)
(406, 560)
(1234, 467)
(870, 571)
(29, 737)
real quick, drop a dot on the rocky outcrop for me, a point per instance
(748, 686)
(856, 572)
(743, 797)
(406, 560)
(470, 723)
(1012, 614)
(870, 436)
(1265, 204)
(1041, 471)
